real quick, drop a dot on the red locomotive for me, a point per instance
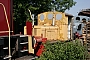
(14, 46)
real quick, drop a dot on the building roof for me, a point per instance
(84, 12)
(68, 15)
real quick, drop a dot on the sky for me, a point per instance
(81, 4)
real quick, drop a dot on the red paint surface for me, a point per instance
(39, 47)
(44, 40)
(29, 28)
(40, 39)
(3, 23)
(40, 50)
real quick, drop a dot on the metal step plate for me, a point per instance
(27, 58)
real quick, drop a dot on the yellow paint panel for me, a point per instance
(30, 49)
(50, 32)
(49, 21)
(25, 30)
(45, 27)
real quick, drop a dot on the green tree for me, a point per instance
(21, 14)
(62, 5)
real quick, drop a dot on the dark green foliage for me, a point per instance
(64, 51)
(62, 5)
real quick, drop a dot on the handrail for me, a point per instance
(32, 17)
(5, 31)
(8, 26)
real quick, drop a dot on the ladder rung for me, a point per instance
(22, 35)
(5, 48)
(24, 50)
(13, 48)
(24, 43)
(7, 56)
